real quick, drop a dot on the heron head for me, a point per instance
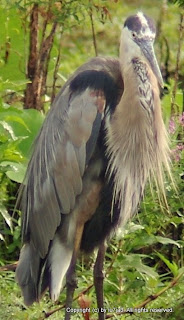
(138, 37)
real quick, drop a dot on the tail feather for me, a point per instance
(27, 273)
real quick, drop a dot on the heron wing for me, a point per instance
(55, 171)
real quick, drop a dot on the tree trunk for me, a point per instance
(38, 60)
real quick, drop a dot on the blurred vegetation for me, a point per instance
(148, 254)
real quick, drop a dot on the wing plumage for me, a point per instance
(54, 179)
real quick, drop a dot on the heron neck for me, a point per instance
(131, 139)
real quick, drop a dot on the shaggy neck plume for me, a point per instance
(136, 147)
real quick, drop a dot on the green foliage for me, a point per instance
(178, 2)
(18, 130)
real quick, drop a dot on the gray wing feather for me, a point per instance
(54, 176)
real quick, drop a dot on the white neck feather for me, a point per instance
(128, 50)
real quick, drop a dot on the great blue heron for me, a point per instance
(102, 140)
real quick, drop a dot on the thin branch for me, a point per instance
(56, 70)
(9, 267)
(167, 58)
(93, 31)
(150, 298)
(46, 45)
(45, 22)
(46, 66)
(119, 247)
(50, 313)
(176, 76)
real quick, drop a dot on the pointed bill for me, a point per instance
(148, 51)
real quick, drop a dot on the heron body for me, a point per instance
(100, 143)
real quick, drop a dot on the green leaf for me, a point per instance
(171, 265)
(8, 128)
(18, 119)
(135, 261)
(165, 240)
(1, 237)
(6, 216)
(22, 125)
(33, 120)
(14, 171)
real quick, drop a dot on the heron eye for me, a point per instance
(133, 34)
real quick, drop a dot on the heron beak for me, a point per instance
(148, 51)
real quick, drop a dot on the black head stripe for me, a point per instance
(134, 23)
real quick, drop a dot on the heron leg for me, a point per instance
(98, 280)
(71, 282)
(71, 285)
